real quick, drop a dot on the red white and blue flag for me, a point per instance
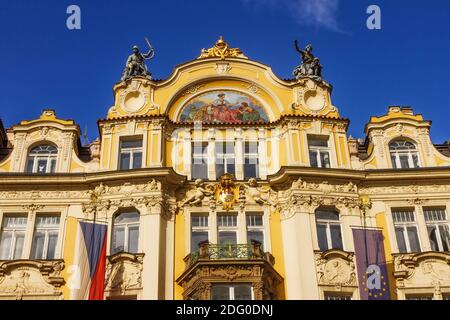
(92, 261)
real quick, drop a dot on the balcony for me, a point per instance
(230, 263)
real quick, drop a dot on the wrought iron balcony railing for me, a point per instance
(208, 251)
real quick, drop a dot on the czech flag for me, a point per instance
(92, 261)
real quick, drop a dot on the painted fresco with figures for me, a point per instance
(223, 106)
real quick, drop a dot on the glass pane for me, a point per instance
(318, 141)
(445, 236)
(322, 237)
(5, 245)
(126, 217)
(250, 168)
(133, 239)
(20, 237)
(52, 165)
(227, 237)
(124, 161)
(336, 237)
(255, 220)
(230, 166)
(199, 221)
(30, 164)
(198, 237)
(42, 166)
(256, 235)
(313, 158)
(243, 292)
(118, 240)
(199, 171)
(413, 239)
(432, 234)
(37, 250)
(131, 144)
(404, 161)
(323, 214)
(325, 159)
(137, 160)
(393, 160)
(251, 147)
(400, 240)
(220, 293)
(220, 170)
(52, 241)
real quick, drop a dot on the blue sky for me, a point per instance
(45, 65)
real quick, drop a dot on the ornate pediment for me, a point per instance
(335, 268)
(422, 270)
(124, 274)
(31, 279)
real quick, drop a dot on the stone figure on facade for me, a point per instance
(258, 195)
(310, 66)
(136, 66)
(201, 191)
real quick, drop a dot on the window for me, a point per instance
(130, 154)
(232, 292)
(403, 155)
(337, 296)
(251, 162)
(125, 237)
(319, 152)
(406, 230)
(199, 231)
(12, 237)
(225, 158)
(45, 237)
(255, 228)
(199, 160)
(227, 229)
(438, 229)
(42, 159)
(328, 229)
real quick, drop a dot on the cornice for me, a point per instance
(86, 179)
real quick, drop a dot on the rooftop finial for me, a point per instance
(221, 50)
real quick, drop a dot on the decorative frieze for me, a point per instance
(124, 274)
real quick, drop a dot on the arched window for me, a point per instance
(125, 234)
(403, 154)
(42, 159)
(329, 233)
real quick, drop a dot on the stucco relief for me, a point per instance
(124, 274)
(422, 270)
(29, 279)
(335, 268)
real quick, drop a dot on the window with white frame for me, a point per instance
(199, 169)
(227, 229)
(12, 238)
(319, 151)
(337, 296)
(406, 230)
(42, 159)
(125, 235)
(438, 228)
(328, 226)
(404, 155)
(45, 237)
(225, 158)
(251, 160)
(255, 228)
(231, 292)
(199, 230)
(130, 154)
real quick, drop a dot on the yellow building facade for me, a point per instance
(224, 181)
